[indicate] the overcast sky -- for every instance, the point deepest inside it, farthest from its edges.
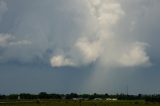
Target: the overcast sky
(82, 46)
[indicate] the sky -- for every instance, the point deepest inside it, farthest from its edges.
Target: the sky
(81, 46)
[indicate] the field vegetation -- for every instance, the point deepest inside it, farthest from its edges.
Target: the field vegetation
(73, 99)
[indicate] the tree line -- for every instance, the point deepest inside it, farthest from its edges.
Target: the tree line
(44, 95)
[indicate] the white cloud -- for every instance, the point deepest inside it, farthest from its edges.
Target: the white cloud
(105, 44)
(60, 61)
(107, 12)
(10, 40)
(5, 39)
(90, 50)
(135, 56)
(21, 42)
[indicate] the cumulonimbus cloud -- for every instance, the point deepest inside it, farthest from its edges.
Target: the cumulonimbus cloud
(103, 45)
(71, 35)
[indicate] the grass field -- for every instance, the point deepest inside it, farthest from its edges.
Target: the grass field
(76, 103)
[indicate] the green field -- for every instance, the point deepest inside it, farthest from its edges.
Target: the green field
(76, 103)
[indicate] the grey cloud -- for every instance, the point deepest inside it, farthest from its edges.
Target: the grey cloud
(48, 25)
(112, 38)
(101, 31)
(3, 8)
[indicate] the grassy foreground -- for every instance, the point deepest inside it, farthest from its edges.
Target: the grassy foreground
(76, 103)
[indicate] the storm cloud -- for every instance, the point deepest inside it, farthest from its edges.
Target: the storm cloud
(71, 35)
(102, 35)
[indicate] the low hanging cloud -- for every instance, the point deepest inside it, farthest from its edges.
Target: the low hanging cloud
(10, 40)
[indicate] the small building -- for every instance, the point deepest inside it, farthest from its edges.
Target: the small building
(97, 98)
(19, 97)
(114, 99)
(77, 99)
(111, 99)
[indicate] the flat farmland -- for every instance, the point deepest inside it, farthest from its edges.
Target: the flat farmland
(76, 103)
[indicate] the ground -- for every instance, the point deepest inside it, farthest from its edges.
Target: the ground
(76, 103)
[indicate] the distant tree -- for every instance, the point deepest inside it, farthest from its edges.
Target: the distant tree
(153, 98)
(13, 96)
(106, 95)
(55, 96)
(139, 96)
(85, 96)
(71, 96)
(28, 96)
(2, 96)
(43, 95)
